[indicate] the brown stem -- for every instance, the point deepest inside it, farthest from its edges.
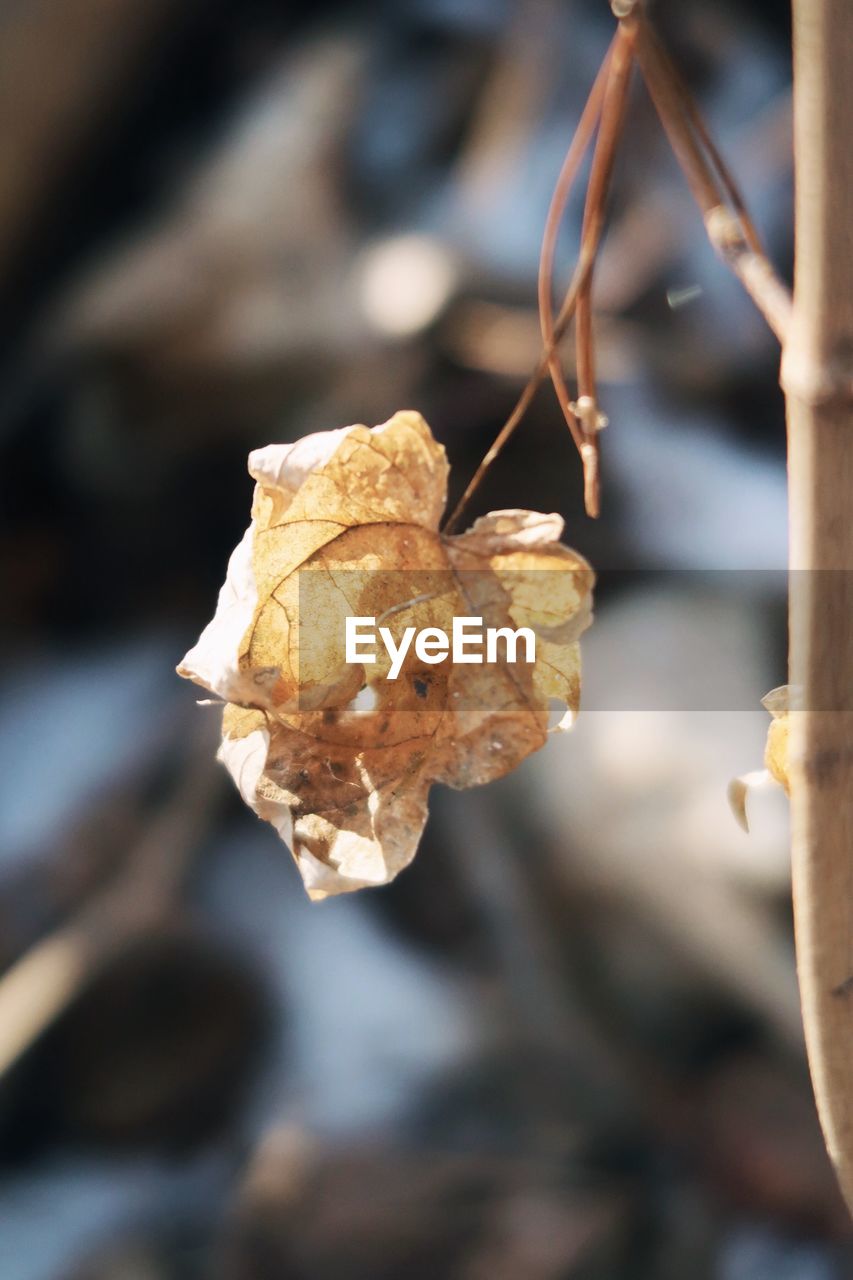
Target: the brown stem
(556, 329)
(729, 227)
(754, 270)
(559, 200)
(522, 404)
(609, 134)
(728, 224)
(697, 122)
(818, 381)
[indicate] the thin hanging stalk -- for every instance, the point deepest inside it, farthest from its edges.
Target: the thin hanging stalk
(610, 91)
(697, 123)
(586, 408)
(729, 227)
(523, 403)
(557, 208)
(817, 375)
(727, 222)
(580, 142)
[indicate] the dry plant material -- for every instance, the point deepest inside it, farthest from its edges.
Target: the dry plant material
(336, 756)
(583, 416)
(579, 144)
(776, 750)
(727, 222)
(775, 771)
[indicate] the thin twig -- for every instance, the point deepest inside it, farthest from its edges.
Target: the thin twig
(560, 325)
(697, 121)
(609, 135)
(729, 227)
(559, 200)
(522, 404)
(728, 224)
(668, 103)
(754, 270)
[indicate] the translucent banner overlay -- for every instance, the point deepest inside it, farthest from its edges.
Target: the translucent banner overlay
(683, 651)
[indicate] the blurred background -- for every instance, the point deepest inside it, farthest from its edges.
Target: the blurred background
(566, 1042)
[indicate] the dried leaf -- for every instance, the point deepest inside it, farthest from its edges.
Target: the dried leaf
(337, 756)
(775, 757)
(776, 750)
